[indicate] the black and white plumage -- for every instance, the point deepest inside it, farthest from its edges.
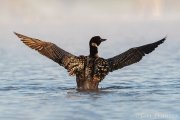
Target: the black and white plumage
(92, 69)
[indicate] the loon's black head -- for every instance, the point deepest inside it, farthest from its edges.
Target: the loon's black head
(96, 41)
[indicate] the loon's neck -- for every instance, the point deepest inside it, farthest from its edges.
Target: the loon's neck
(93, 51)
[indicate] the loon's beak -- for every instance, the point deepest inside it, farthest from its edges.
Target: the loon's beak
(102, 40)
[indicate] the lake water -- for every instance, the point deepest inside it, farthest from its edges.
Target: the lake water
(35, 88)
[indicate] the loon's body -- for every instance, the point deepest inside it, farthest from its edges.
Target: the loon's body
(92, 69)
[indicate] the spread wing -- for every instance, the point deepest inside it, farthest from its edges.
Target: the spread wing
(51, 51)
(132, 55)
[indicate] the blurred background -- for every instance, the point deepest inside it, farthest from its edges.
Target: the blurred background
(33, 87)
(74, 22)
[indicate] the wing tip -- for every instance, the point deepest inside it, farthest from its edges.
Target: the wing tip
(146, 49)
(17, 34)
(161, 41)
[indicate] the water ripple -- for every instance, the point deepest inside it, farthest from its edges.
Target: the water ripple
(43, 90)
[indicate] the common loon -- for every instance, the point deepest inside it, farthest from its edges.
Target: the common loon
(92, 69)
